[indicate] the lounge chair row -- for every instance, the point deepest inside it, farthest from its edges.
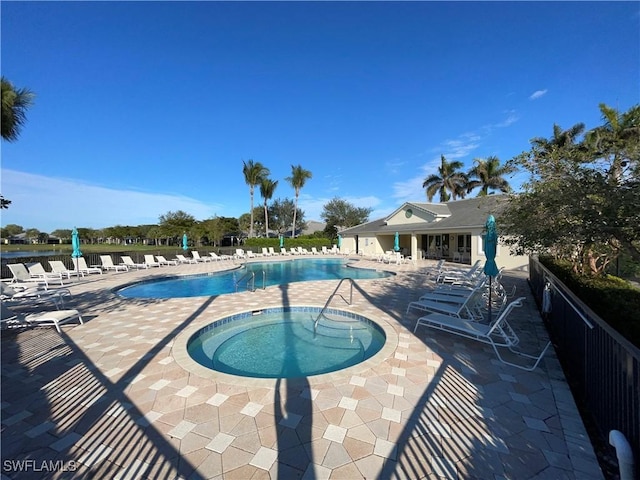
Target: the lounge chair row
(270, 252)
(461, 309)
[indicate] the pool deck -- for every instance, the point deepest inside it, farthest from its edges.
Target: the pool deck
(117, 397)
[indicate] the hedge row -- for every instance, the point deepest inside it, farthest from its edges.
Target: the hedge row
(615, 300)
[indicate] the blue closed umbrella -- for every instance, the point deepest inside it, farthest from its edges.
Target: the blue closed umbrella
(75, 243)
(281, 241)
(396, 243)
(185, 242)
(339, 241)
(490, 247)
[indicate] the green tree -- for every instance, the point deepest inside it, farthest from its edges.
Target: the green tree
(282, 212)
(174, 224)
(448, 179)
(298, 178)
(340, 213)
(11, 230)
(253, 173)
(578, 205)
(617, 141)
(489, 175)
(15, 102)
(267, 189)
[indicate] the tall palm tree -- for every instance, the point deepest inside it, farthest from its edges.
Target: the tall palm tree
(448, 179)
(14, 105)
(489, 174)
(267, 187)
(561, 147)
(253, 172)
(298, 178)
(613, 139)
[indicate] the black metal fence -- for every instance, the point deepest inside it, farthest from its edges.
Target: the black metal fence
(602, 367)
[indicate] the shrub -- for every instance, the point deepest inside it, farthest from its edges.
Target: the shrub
(615, 300)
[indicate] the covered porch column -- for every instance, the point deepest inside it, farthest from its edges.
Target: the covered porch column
(414, 248)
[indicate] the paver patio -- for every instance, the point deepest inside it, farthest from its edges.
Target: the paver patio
(112, 399)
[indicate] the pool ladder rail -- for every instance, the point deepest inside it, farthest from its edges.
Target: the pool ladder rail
(335, 293)
(251, 278)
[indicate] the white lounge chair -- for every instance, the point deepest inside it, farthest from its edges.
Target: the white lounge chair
(498, 334)
(129, 263)
(36, 270)
(265, 252)
(31, 295)
(55, 318)
(469, 309)
(21, 275)
(163, 261)
(149, 261)
(81, 265)
(314, 251)
(197, 256)
(59, 267)
(272, 252)
(107, 264)
(217, 257)
(460, 276)
(240, 253)
(283, 251)
(182, 259)
(250, 254)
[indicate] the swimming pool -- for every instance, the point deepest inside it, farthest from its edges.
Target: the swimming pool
(275, 273)
(283, 342)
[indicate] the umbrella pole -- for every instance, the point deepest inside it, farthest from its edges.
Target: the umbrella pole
(490, 289)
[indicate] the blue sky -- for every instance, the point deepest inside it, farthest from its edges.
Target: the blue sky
(149, 107)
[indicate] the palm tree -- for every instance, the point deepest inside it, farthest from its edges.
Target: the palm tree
(253, 172)
(267, 187)
(489, 174)
(298, 178)
(612, 139)
(448, 180)
(561, 147)
(14, 105)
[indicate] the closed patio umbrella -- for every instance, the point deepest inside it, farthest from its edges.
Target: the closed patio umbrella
(281, 241)
(75, 243)
(490, 247)
(185, 242)
(339, 241)
(396, 242)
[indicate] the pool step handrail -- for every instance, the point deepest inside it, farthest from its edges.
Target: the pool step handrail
(252, 274)
(326, 305)
(251, 278)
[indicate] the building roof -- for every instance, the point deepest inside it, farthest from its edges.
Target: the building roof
(455, 215)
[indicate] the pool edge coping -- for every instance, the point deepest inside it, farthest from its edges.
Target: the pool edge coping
(183, 359)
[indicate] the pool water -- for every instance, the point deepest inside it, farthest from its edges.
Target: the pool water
(275, 273)
(283, 343)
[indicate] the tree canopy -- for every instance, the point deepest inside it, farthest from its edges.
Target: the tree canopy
(581, 200)
(340, 213)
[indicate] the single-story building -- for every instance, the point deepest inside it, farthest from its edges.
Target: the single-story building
(452, 230)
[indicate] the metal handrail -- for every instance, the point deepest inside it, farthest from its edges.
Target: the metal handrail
(253, 281)
(335, 292)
